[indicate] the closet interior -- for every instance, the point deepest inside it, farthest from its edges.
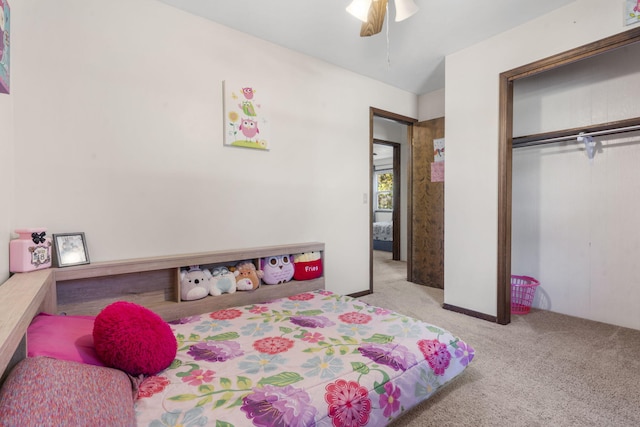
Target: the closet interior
(575, 188)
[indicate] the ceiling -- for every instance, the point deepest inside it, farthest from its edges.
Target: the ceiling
(382, 151)
(408, 55)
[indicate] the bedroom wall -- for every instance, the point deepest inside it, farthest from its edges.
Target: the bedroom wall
(123, 101)
(431, 105)
(6, 180)
(574, 221)
(471, 111)
(6, 165)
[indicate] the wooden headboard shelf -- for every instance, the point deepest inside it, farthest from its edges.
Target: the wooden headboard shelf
(21, 298)
(152, 282)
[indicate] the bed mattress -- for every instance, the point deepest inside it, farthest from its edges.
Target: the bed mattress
(312, 359)
(383, 231)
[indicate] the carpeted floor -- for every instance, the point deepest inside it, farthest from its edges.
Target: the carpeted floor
(543, 369)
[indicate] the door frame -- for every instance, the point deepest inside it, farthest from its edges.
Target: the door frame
(409, 121)
(505, 148)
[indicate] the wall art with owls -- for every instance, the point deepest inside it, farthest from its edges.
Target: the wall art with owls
(246, 121)
(277, 269)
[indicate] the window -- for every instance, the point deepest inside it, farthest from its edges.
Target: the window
(384, 190)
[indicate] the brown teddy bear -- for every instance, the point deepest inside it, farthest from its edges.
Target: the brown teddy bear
(247, 276)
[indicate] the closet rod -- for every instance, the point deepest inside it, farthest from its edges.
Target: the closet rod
(575, 136)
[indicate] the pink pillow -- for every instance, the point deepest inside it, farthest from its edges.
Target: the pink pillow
(134, 339)
(62, 337)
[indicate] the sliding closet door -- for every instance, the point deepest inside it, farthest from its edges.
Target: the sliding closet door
(427, 199)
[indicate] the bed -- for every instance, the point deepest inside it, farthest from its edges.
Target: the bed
(308, 358)
(383, 236)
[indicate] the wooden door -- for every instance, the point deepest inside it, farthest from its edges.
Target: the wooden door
(427, 208)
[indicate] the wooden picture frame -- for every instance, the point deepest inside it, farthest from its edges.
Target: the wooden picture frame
(70, 249)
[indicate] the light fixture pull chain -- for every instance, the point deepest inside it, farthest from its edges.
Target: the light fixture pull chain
(388, 17)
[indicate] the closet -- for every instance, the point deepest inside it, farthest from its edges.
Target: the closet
(575, 198)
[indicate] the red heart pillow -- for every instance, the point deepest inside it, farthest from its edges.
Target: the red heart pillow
(134, 339)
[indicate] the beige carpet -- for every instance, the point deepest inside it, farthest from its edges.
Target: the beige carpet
(543, 369)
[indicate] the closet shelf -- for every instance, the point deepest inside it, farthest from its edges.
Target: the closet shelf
(609, 128)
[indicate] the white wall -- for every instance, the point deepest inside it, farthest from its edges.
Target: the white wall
(123, 101)
(6, 180)
(574, 222)
(431, 105)
(388, 130)
(471, 112)
(600, 89)
(6, 170)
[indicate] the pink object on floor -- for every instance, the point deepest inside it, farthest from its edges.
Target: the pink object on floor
(523, 290)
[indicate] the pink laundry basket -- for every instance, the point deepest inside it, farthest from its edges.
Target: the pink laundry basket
(523, 289)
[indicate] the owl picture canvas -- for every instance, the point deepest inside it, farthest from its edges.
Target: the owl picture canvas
(276, 269)
(246, 121)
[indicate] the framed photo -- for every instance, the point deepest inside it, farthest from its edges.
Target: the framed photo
(71, 249)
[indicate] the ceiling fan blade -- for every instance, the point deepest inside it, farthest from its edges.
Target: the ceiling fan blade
(377, 12)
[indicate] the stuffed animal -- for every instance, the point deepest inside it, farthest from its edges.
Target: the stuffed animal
(222, 281)
(194, 283)
(277, 269)
(247, 277)
(307, 265)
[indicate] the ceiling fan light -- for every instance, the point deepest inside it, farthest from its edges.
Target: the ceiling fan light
(360, 9)
(405, 9)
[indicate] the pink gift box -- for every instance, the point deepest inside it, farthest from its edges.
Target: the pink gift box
(30, 251)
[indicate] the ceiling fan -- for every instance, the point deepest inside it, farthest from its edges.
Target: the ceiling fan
(372, 13)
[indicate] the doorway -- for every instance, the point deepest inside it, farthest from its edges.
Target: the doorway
(401, 226)
(386, 197)
(423, 246)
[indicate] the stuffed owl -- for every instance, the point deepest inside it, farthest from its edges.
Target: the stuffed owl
(277, 269)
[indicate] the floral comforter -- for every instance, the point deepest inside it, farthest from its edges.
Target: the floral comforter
(313, 359)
